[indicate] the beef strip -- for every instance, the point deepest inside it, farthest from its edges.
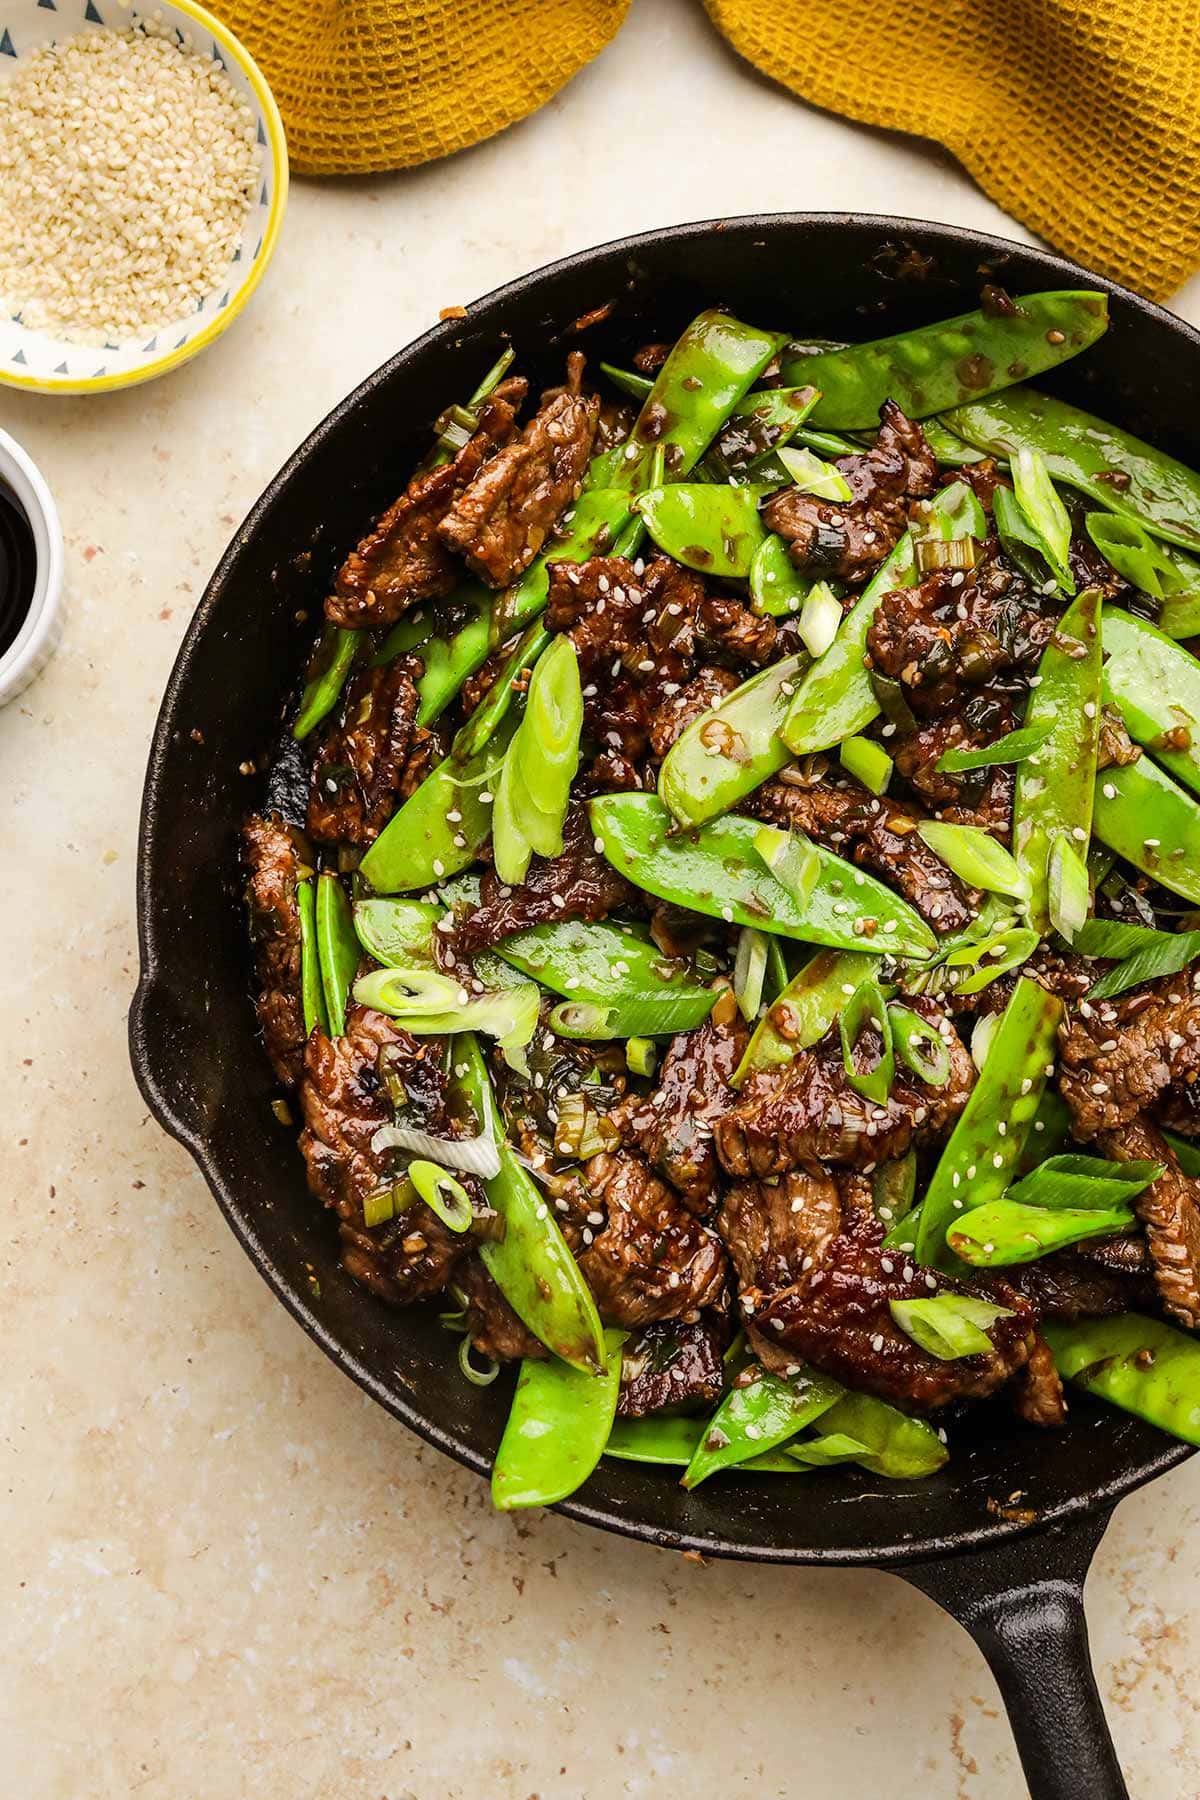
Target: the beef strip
(982, 797)
(650, 1259)
(877, 833)
(579, 884)
(1037, 1389)
(492, 1324)
(402, 560)
(1170, 1210)
(815, 1282)
(501, 519)
(345, 1101)
(672, 1126)
(273, 855)
(360, 768)
(1119, 1055)
(807, 1111)
(671, 1367)
(847, 540)
(1069, 1285)
(705, 690)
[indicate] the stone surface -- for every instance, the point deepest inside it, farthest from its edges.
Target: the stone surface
(224, 1572)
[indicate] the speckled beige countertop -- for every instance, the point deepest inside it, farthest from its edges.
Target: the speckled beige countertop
(225, 1574)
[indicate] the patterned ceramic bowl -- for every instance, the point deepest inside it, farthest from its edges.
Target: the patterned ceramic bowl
(54, 365)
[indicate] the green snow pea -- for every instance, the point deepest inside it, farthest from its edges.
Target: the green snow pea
(777, 588)
(1186, 1154)
(440, 828)
(331, 664)
(530, 1264)
(977, 1164)
(312, 994)
(338, 949)
(1141, 1365)
(672, 1441)
(1156, 688)
(1004, 1232)
(1143, 816)
(1086, 453)
(1013, 747)
(617, 968)
(714, 529)
(732, 749)
(710, 367)
(758, 1417)
(1051, 1133)
(628, 380)
(764, 420)
(804, 1011)
(835, 698)
(397, 933)
(1056, 784)
(951, 451)
(557, 1429)
(715, 871)
(1134, 554)
(474, 734)
(938, 366)
(1180, 615)
(1083, 1182)
(891, 1443)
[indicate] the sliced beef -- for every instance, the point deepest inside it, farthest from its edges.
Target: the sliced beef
(877, 833)
(815, 1282)
(346, 1099)
(806, 1112)
(579, 884)
(671, 1367)
(360, 768)
(1069, 1285)
(679, 932)
(672, 1126)
(273, 855)
(402, 559)
(651, 1259)
(1170, 1210)
(1119, 1055)
(982, 797)
(847, 540)
(503, 517)
(492, 1324)
(1037, 1389)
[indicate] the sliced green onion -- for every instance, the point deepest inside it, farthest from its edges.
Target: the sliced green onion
(1173, 952)
(1013, 747)
(379, 1207)
(750, 970)
(820, 617)
(400, 991)
(1133, 553)
(866, 1007)
(919, 1045)
(792, 859)
(494, 376)
(984, 1031)
(976, 966)
(1112, 937)
(936, 553)
(1023, 546)
(510, 1015)
(829, 1449)
(892, 702)
(954, 512)
(1003, 1233)
(580, 1019)
(1070, 893)
(812, 476)
(1083, 1181)
(975, 857)
(580, 1131)
(442, 1194)
(894, 1188)
(1044, 510)
(949, 1325)
(477, 1377)
(641, 1056)
(867, 761)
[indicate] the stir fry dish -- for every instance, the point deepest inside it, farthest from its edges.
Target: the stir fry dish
(728, 914)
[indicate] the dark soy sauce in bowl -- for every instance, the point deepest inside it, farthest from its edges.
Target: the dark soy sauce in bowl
(17, 567)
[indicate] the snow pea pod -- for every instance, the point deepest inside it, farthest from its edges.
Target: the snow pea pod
(1086, 453)
(938, 366)
(628, 380)
(777, 588)
(440, 828)
(1056, 784)
(804, 1011)
(557, 1429)
(758, 1417)
(1143, 816)
(891, 1443)
(338, 949)
(732, 749)
(1156, 688)
(615, 967)
(835, 698)
(472, 736)
(716, 871)
(397, 933)
(1141, 1365)
(1004, 1232)
(671, 1441)
(312, 994)
(334, 658)
(711, 366)
(714, 529)
(530, 1264)
(978, 1162)
(760, 423)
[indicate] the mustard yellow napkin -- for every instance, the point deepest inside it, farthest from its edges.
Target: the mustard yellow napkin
(1079, 117)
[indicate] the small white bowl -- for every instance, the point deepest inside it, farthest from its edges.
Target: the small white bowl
(37, 640)
(55, 365)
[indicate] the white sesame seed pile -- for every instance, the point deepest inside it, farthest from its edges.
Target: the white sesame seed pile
(127, 168)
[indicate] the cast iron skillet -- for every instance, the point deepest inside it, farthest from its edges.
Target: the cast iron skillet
(1014, 1581)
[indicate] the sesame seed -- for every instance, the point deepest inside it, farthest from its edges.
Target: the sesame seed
(1109, 791)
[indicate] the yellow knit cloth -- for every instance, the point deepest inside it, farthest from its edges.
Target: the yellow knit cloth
(1079, 117)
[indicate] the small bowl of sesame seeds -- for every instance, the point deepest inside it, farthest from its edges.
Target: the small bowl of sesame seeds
(143, 180)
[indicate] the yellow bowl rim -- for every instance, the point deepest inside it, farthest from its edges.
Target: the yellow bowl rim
(277, 143)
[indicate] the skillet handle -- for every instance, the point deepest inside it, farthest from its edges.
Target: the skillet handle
(1022, 1602)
